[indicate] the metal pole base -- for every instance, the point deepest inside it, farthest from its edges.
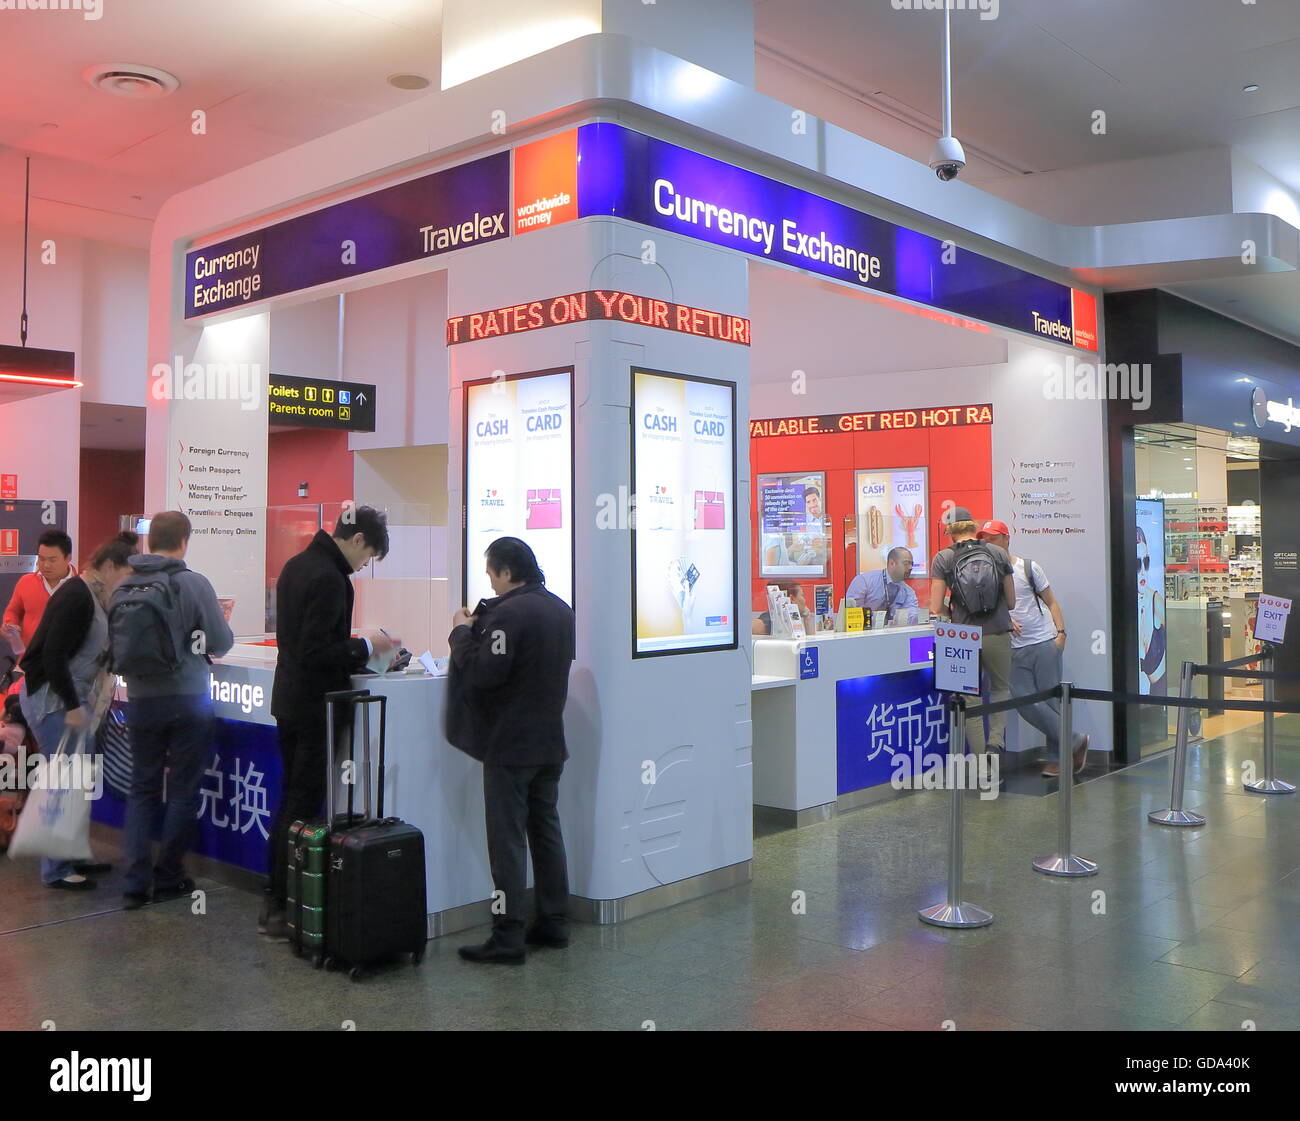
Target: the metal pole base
(955, 915)
(1065, 866)
(1271, 786)
(1175, 817)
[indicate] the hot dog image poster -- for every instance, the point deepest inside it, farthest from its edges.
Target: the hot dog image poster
(893, 510)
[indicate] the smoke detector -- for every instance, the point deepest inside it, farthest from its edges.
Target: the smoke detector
(127, 79)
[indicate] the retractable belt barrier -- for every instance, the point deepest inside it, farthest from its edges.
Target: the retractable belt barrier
(955, 913)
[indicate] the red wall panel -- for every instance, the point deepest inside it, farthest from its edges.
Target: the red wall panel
(959, 461)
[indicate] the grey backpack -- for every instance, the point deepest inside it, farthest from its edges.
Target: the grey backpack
(975, 579)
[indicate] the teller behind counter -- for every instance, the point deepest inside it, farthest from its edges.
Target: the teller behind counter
(883, 591)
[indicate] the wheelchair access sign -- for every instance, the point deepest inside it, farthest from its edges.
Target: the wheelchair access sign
(957, 658)
(807, 663)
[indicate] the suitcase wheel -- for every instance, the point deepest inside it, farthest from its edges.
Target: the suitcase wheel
(354, 974)
(318, 959)
(329, 963)
(417, 957)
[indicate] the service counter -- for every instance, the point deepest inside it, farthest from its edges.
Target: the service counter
(429, 783)
(832, 710)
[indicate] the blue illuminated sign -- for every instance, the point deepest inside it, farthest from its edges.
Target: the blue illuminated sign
(629, 175)
(435, 214)
(878, 719)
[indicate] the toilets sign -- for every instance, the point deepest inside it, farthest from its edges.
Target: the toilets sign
(1270, 619)
(957, 658)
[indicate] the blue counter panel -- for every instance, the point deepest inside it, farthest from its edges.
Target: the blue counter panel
(238, 796)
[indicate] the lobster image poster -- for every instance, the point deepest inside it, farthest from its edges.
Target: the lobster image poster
(892, 511)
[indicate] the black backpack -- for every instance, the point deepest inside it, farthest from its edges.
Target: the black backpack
(141, 626)
(975, 579)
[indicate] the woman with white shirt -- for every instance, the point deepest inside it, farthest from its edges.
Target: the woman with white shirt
(1036, 651)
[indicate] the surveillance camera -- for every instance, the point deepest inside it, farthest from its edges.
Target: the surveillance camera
(948, 158)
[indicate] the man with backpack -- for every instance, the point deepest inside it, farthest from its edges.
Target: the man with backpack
(976, 578)
(1036, 649)
(164, 623)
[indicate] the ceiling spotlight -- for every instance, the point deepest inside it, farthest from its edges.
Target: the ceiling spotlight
(408, 81)
(1252, 88)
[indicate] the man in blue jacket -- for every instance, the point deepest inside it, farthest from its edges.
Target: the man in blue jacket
(509, 680)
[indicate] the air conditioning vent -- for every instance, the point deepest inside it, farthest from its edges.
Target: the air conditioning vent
(129, 80)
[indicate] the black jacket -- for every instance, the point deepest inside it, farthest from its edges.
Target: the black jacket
(509, 678)
(59, 635)
(313, 622)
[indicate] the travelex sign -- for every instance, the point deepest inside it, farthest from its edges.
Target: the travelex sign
(629, 175)
(425, 217)
(608, 170)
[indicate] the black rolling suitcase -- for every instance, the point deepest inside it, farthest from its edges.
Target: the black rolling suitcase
(375, 901)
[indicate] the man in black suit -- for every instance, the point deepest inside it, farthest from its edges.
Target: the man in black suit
(508, 683)
(316, 655)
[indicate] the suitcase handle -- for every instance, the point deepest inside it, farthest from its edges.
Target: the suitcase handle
(364, 698)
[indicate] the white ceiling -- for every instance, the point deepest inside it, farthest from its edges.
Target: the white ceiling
(270, 74)
(112, 427)
(1168, 73)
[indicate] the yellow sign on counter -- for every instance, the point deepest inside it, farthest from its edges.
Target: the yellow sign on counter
(853, 619)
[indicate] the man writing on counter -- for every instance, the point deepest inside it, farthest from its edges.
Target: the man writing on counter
(885, 589)
(316, 654)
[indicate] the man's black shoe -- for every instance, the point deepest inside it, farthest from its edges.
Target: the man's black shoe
(133, 900)
(178, 889)
(82, 884)
(493, 953)
(546, 936)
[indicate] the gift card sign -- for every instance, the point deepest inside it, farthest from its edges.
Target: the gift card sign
(1270, 619)
(957, 658)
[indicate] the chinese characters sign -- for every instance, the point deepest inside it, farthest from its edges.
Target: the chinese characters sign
(879, 718)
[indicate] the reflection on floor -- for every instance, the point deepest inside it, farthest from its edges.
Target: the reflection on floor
(1194, 928)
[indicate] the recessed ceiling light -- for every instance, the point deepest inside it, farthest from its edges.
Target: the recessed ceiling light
(128, 79)
(408, 81)
(1252, 88)
(49, 125)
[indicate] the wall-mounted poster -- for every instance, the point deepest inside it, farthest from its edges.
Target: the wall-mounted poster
(684, 532)
(519, 474)
(1153, 642)
(793, 531)
(892, 510)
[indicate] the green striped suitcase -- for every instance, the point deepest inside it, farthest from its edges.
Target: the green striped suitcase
(305, 906)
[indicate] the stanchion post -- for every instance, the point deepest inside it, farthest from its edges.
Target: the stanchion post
(1176, 815)
(1270, 783)
(1064, 862)
(954, 913)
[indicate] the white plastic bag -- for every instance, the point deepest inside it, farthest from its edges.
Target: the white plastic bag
(55, 822)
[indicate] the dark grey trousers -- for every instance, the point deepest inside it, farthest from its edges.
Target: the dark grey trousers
(1033, 669)
(520, 806)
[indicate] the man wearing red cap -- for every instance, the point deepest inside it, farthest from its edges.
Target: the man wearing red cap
(1036, 648)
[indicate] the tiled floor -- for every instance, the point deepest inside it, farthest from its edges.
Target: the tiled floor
(1198, 929)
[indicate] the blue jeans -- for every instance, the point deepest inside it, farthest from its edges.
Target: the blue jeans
(173, 733)
(47, 731)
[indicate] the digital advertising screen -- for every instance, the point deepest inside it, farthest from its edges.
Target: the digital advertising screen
(519, 475)
(893, 510)
(1153, 639)
(684, 532)
(793, 530)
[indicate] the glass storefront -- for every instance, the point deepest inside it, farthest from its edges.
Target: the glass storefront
(1199, 568)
